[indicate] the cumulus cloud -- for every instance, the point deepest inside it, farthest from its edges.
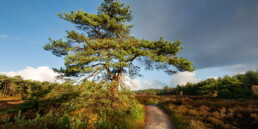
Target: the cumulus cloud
(153, 84)
(184, 77)
(136, 84)
(133, 84)
(42, 73)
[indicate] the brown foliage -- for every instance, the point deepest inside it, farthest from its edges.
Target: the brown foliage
(211, 112)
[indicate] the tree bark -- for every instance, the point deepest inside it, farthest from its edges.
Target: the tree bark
(118, 81)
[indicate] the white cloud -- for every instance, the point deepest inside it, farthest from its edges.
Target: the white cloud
(153, 84)
(3, 36)
(183, 78)
(136, 84)
(42, 73)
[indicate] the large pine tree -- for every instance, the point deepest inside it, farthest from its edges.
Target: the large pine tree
(103, 47)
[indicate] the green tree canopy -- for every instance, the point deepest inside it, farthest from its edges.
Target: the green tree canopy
(103, 48)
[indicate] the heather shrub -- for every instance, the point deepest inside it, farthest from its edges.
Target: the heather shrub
(208, 112)
(87, 105)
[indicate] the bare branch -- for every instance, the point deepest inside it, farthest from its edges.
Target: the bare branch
(132, 58)
(92, 74)
(98, 64)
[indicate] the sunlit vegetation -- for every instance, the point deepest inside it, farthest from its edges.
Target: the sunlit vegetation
(53, 105)
(149, 99)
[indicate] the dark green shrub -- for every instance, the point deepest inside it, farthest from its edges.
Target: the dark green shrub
(235, 93)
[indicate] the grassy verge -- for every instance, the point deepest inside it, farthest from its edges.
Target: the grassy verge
(149, 99)
(177, 120)
(137, 122)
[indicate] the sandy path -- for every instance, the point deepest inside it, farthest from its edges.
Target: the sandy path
(156, 118)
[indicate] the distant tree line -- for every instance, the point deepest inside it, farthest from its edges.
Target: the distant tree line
(234, 87)
(16, 86)
(149, 92)
(164, 91)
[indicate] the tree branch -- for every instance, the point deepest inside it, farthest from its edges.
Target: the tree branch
(110, 73)
(98, 64)
(132, 58)
(94, 73)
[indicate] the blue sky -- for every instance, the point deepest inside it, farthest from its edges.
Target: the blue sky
(219, 37)
(26, 27)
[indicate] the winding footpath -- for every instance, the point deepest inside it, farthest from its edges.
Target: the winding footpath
(156, 118)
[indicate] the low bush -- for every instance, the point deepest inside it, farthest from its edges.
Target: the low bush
(87, 105)
(235, 93)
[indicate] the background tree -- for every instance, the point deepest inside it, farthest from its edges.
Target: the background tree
(250, 79)
(103, 48)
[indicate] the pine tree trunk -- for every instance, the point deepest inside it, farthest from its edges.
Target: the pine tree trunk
(117, 83)
(115, 88)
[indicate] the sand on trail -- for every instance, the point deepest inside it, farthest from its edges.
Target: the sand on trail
(156, 118)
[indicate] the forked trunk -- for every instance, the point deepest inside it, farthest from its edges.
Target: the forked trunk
(115, 86)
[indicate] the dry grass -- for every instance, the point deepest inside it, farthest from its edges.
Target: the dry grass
(150, 99)
(7, 102)
(9, 98)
